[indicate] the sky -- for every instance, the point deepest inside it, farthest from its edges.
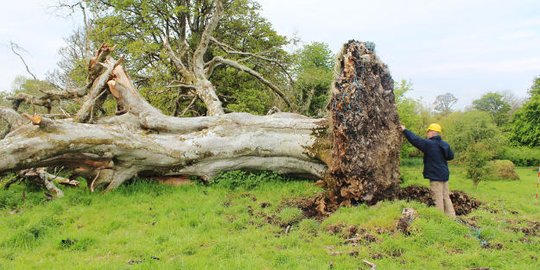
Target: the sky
(466, 48)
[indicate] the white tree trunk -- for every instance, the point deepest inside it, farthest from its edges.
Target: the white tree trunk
(200, 146)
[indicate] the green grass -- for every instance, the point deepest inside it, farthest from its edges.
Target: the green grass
(230, 225)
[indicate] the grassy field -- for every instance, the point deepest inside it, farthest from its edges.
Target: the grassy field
(150, 226)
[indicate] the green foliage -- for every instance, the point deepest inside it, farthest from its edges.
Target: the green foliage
(414, 161)
(526, 122)
(290, 215)
(245, 180)
(475, 139)
(495, 105)
(535, 88)
(242, 93)
(313, 72)
(465, 129)
(522, 156)
(476, 161)
(502, 170)
(410, 113)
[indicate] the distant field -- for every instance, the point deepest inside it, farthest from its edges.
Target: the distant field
(150, 226)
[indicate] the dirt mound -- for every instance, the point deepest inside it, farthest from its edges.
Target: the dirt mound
(463, 203)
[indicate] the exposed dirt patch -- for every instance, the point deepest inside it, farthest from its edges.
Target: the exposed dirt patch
(531, 228)
(463, 203)
(315, 207)
(353, 235)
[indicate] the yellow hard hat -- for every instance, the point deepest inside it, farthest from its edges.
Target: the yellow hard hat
(435, 127)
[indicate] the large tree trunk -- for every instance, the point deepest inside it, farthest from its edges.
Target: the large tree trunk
(119, 148)
(140, 140)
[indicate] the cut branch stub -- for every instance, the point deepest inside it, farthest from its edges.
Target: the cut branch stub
(367, 140)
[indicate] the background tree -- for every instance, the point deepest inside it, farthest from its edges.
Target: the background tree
(476, 140)
(494, 104)
(313, 76)
(526, 121)
(444, 103)
(464, 129)
(512, 100)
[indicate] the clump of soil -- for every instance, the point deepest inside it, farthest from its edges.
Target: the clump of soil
(463, 203)
(531, 228)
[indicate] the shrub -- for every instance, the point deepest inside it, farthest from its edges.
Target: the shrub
(502, 170)
(476, 160)
(246, 180)
(522, 156)
(465, 129)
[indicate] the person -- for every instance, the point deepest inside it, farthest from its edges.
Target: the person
(437, 153)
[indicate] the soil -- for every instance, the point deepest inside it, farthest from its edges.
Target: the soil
(463, 203)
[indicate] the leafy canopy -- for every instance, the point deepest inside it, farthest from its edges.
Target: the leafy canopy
(494, 104)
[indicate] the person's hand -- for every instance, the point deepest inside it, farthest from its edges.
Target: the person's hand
(402, 127)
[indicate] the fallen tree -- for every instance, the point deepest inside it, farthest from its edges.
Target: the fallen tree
(140, 140)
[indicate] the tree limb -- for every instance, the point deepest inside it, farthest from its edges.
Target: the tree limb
(230, 50)
(180, 67)
(20, 98)
(255, 74)
(198, 55)
(98, 86)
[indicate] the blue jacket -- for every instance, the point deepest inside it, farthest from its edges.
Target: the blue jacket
(436, 154)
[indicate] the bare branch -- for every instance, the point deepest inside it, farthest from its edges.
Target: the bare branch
(176, 60)
(230, 50)
(14, 48)
(255, 74)
(189, 105)
(41, 176)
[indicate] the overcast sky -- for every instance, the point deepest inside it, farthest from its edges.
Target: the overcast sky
(465, 47)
